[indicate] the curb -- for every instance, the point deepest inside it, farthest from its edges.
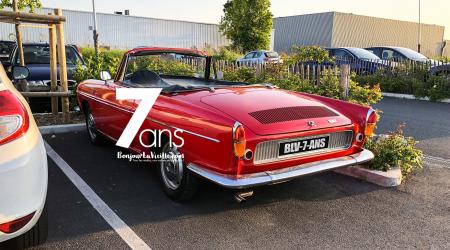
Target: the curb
(391, 178)
(59, 129)
(410, 97)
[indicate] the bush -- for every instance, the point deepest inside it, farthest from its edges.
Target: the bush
(106, 61)
(417, 83)
(436, 88)
(225, 54)
(308, 54)
(395, 150)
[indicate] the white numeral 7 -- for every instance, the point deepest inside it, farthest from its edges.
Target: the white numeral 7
(148, 98)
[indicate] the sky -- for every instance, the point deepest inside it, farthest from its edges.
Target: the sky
(210, 11)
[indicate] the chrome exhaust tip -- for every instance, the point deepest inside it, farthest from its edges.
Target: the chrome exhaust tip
(242, 197)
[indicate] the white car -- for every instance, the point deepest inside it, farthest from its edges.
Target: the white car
(260, 56)
(23, 170)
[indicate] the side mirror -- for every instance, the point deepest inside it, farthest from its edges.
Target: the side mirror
(105, 75)
(20, 72)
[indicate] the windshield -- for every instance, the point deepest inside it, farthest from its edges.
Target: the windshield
(40, 54)
(171, 71)
(411, 54)
(363, 54)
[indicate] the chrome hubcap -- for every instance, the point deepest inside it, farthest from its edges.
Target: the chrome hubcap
(91, 126)
(171, 167)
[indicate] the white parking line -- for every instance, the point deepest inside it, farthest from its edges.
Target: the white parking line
(122, 229)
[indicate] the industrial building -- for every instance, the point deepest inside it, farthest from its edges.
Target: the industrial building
(331, 29)
(334, 29)
(124, 31)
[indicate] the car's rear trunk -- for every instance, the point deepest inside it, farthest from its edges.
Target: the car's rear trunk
(273, 111)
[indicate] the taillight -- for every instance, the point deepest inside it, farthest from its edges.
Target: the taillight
(15, 225)
(239, 139)
(13, 117)
(371, 123)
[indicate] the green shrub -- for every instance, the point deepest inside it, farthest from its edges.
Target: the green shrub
(395, 150)
(106, 61)
(436, 88)
(308, 54)
(225, 54)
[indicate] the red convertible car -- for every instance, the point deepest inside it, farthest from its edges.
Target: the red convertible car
(237, 135)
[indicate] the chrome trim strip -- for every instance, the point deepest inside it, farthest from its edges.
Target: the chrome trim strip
(282, 175)
(184, 131)
(150, 119)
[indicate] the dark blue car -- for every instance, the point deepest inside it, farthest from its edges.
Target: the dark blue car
(360, 60)
(37, 59)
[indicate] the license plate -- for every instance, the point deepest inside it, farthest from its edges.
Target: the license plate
(303, 145)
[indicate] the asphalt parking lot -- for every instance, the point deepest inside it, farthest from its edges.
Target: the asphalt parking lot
(325, 211)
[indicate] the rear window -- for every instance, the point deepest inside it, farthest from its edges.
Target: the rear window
(272, 54)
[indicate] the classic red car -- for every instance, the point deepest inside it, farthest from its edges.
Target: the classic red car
(237, 135)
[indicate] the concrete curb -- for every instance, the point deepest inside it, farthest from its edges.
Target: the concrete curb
(410, 97)
(59, 129)
(391, 178)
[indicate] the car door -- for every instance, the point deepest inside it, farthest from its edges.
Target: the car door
(113, 115)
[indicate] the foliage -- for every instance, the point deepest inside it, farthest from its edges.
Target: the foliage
(106, 61)
(309, 54)
(22, 4)
(395, 150)
(436, 88)
(227, 55)
(247, 23)
(418, 83)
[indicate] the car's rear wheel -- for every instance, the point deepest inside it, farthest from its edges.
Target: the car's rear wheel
(94, 136)
(177, 181)
(35, 236)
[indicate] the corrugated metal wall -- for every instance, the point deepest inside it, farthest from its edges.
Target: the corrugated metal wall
(339, 30)
(117, 31)
(363, 31)
(304, 30)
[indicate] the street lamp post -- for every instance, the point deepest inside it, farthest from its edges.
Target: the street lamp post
(95, 28)
(420, 28)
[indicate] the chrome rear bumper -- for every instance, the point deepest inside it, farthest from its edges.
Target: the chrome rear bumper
(281, 175)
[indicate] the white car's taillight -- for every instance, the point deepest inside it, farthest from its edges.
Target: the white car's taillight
(14, 120)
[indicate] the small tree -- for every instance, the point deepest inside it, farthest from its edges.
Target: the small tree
(22, 4)
(247, 23)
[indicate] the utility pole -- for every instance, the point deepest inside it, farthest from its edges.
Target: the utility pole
(96, 47)
(420, 28)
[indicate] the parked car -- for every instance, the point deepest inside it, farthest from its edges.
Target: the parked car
(6, 48)
(360, 60)
(37, 59)
(260, 56)
(237, 135)
(401, 54)
(23, 170)
(397, 54)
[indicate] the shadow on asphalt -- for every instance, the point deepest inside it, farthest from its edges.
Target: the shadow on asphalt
(133, 190)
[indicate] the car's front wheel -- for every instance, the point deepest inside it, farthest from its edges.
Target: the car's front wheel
(177, 181)
(35, 236)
